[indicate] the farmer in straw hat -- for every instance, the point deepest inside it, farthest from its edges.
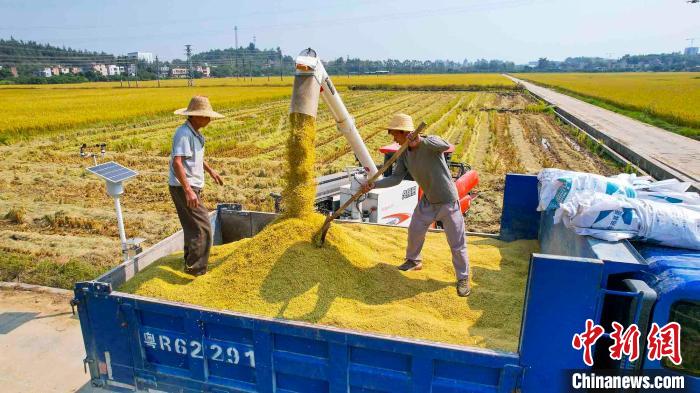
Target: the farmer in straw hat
(425, 161)
(186, 181)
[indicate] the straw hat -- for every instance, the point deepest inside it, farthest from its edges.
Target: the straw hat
(401, 122)
(199, 106)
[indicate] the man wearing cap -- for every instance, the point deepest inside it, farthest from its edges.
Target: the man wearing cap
(186, 181)
(425, 161)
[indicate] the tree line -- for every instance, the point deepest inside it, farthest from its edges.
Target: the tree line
(28, 57)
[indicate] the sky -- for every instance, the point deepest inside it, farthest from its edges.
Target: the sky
(515, 30)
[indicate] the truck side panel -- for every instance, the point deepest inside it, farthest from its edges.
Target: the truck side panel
(520, 218)
(170, 347)
(562, 292)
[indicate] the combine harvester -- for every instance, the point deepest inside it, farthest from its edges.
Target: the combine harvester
(138, 343)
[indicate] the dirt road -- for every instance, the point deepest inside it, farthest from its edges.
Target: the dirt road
(675, 153)
(41, 344)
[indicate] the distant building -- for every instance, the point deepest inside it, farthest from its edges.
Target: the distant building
(55, 70)
(13, 71)
(113, 70)
(45, 72)
(100, 69)
(178, 72)
(76, 70)
(64, 70)
(691, 51)
(131, 69)
(143, 56)
(205, 70)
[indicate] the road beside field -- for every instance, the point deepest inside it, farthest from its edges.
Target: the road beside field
(41, 344)
(672, 153)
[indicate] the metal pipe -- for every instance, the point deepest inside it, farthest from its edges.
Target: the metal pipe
(305, 95)
(120, 224)
(309, 64)
(346, 125)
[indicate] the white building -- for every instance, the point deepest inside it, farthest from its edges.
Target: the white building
(100, 69)
(131, 69)
(178, 72)
(113, 70)
(143, 56)
(205, 70)
(45, 72)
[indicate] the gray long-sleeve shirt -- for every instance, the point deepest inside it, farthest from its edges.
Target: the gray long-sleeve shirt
(427, 166)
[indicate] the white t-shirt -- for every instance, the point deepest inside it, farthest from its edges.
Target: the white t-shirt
(189, 144)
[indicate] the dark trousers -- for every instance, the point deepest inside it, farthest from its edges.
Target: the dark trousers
(197, 229)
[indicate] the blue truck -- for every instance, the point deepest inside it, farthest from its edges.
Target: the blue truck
(146, 344)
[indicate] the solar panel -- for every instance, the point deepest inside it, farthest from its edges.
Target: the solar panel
(112, 172)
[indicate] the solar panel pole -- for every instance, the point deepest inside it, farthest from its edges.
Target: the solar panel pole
(114, 176)
(115, 190)
(120, 223)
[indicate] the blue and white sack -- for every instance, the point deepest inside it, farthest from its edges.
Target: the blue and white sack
(557, 186)
(615, 217)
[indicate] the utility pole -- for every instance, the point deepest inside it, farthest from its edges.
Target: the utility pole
(235, 30)
(280, 64)
(188, 52)
(157, 71)
(136, 71)
(126, 68)
(121, 84)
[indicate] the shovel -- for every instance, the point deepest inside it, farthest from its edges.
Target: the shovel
(387, 165)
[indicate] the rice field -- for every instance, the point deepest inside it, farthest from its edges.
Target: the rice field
(673, 97)
(32, 110)
(484, 79)
(57, 223)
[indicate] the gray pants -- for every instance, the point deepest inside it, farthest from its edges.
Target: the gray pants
(197, 230)
(453, 222)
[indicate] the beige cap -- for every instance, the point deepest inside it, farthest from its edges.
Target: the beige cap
(199, 106)
(402, 122)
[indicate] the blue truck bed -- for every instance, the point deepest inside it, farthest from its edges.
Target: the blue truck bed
(139, 343)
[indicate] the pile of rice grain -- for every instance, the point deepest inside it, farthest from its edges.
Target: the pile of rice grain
(352, 282)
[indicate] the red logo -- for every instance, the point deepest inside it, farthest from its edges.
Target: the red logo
(395, 219)
(661, 341)
(626, 342)
(586, 340)
(665, 342)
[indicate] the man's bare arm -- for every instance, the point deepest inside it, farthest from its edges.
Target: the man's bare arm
(214, 175)
(190, 196)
